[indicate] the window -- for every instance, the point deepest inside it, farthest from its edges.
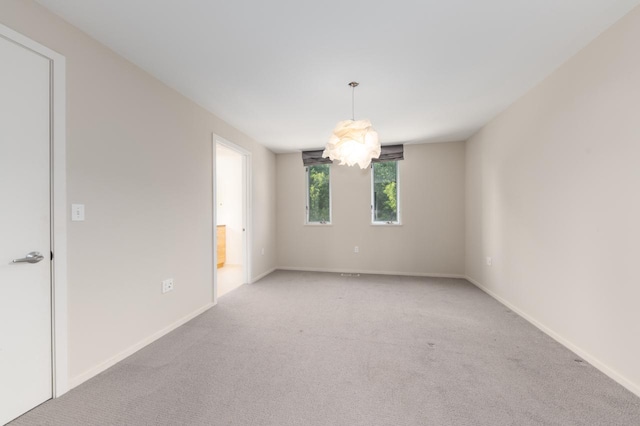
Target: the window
(384, 192)
(318, 194)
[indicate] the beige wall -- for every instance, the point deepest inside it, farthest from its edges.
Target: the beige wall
(552, 195)
(140, 159)
(430, 240)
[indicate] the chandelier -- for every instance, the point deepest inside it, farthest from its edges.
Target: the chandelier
(353, 142)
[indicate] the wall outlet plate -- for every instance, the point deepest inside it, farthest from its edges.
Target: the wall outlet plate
(167, 285)
(489, 261)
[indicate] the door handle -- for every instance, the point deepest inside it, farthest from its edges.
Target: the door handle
(33, 257)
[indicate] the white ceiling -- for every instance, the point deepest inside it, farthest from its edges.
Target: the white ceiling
(429, 70)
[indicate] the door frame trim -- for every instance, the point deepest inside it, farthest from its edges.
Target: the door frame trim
(247, 217)
(58, 202)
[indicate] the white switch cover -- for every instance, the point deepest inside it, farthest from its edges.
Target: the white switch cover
(489, 261)
(77, 212)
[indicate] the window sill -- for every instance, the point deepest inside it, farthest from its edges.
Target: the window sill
(386, 224)
(318, 224)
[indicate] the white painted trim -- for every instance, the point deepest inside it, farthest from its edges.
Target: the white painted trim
(365, 272)
(248, 216)
(58, 209)
(214, 221)
(247, 184)
(261, 276)
(83, 377)
(612, 373)
(60, 320)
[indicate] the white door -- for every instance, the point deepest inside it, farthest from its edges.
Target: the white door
(25, 287)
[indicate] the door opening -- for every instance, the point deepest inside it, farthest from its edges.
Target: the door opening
(231, 216)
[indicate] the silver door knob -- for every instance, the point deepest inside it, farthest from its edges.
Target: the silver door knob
(33, 257)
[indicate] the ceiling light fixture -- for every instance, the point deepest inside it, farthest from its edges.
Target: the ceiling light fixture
(353, 142)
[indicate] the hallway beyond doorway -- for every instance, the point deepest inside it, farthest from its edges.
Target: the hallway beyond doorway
(232, 191)
(229, 278)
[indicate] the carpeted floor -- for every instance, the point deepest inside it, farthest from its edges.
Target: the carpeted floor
(301, 348)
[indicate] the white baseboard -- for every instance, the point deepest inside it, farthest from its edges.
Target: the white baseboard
(362, 271)
(261, 276)
(613, 374)
(83, 377)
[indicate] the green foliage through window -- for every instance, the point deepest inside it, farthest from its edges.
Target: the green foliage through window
(385, 191)
(318, 194)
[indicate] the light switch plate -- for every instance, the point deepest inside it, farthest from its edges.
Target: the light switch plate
(77, 212)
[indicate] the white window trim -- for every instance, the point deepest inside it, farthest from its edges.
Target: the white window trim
(306, 200)
(398, 221)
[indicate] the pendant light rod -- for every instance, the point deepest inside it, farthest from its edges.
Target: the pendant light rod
(353, 85)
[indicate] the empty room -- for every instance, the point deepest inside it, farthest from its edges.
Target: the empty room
(319, 213)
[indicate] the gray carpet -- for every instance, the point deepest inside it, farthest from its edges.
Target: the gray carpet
(300, 348)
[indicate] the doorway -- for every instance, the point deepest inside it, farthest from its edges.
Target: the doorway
(231, 216)
(33, 296)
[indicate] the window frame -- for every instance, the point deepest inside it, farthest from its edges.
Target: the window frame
(306, 201)
(398, 221)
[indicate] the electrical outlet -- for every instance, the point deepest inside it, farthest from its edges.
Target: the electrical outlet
(356, 249)
(167, 285)
(489, 261)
